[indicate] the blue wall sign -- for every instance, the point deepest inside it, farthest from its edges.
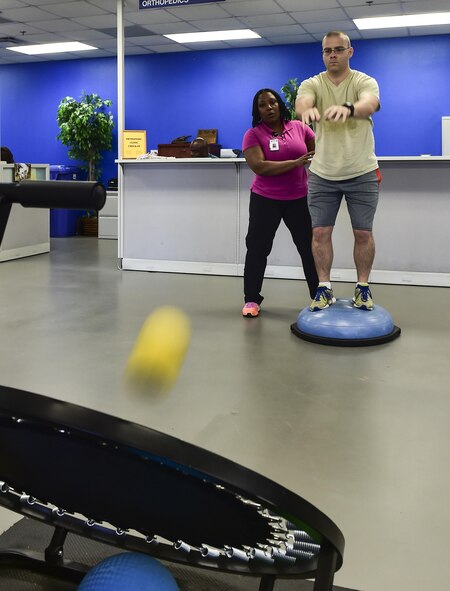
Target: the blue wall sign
(172, 3)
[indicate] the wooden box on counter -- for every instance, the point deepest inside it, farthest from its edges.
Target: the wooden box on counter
(182, 150)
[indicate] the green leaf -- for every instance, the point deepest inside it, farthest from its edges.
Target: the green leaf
(86, 129)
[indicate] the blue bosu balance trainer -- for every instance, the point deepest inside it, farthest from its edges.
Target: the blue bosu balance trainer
(344, 325)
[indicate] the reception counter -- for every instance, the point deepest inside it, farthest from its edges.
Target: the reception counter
(28, 230)
(191, 216)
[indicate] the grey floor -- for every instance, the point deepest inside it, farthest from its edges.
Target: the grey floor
(361, 433)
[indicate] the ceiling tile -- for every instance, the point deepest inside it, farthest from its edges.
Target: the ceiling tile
(176, 47)
(15, 29)
(45, 2)
(289, 39)
(24, 14)
(194, 12)
(151, 17)
(346, 3)
(205, 46)
(383, 33)
(280, 31)
(324, 27)
(172, 28)
(136, 50)
(222, 24)
(9, 4)
(294, 5)
(415, 7)
(248, 42)
(252, 7)
(373, 11)
(149, 40)
(72, 9)
(59, 25)
(316, 16)
(266, 20)
(97, 22)
(438, 29)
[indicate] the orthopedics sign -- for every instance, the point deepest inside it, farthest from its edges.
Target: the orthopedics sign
(172, 3)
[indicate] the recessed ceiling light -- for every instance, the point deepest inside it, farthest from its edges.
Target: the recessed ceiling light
(406, 20)
(51, 48)
(213, 36)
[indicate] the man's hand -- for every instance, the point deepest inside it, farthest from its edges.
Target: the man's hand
(310, 115)
(337, 113)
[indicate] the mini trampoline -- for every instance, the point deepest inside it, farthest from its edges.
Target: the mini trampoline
(123, 484)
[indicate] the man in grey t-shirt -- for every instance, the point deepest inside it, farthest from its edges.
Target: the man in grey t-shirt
(340, 103)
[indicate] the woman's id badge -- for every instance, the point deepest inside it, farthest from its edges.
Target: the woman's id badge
(273, 145)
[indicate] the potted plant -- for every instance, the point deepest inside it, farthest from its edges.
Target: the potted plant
(86, 128)
(290, 90)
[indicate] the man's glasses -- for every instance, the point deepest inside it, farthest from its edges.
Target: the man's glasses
(337, 50)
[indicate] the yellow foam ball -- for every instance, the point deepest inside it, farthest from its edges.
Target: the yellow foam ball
(160, 347)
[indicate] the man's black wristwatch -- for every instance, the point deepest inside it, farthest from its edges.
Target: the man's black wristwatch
(350, 107)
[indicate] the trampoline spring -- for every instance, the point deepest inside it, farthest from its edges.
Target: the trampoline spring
(306, 538)
(248, 502)
(209, 551)
(300, 554)
(299, 534)
(182, 546)
(284, 537)
(120, 531)
(278, 554)
(152, 540)
(284, 558)
(277, 544)
(258, 554)
(231, 552)
(4, 488)
(90, 522)
(307, 547)
(58, 511)
(268, 515)
(27, 499)
(277, 527)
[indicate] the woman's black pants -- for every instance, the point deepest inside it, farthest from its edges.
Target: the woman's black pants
(265, 217)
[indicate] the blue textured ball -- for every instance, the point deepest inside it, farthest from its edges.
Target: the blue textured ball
(129, 572)
(343, 321)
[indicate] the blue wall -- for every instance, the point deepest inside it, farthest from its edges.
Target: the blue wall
(176, 94)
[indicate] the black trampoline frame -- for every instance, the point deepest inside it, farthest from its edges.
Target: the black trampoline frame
(29, 415)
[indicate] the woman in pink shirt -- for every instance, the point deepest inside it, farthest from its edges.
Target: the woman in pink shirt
(276, 149)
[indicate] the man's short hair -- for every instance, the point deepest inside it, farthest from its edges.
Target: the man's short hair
(337, 34)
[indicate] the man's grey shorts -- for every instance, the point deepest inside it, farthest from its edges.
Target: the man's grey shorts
(361, 194)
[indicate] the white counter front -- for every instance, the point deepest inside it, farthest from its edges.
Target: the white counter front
(28, 229)
(191, 216)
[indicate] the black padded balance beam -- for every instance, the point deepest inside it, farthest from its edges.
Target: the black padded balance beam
(50, 194)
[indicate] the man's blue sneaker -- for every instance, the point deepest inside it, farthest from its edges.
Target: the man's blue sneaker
(363, 297)
(324, 298)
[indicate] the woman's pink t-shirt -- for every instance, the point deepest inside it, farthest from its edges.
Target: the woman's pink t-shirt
(292, 145)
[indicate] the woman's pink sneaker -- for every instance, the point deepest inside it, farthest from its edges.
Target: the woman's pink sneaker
(251, 309)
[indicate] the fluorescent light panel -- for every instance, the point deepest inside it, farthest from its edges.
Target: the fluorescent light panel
(51, 48)
(213, 36)
(407, 20)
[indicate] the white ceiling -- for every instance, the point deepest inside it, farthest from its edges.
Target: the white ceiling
(277, 21)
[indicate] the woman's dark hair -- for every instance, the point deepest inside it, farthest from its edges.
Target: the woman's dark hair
(284, 112)
(6, 155)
